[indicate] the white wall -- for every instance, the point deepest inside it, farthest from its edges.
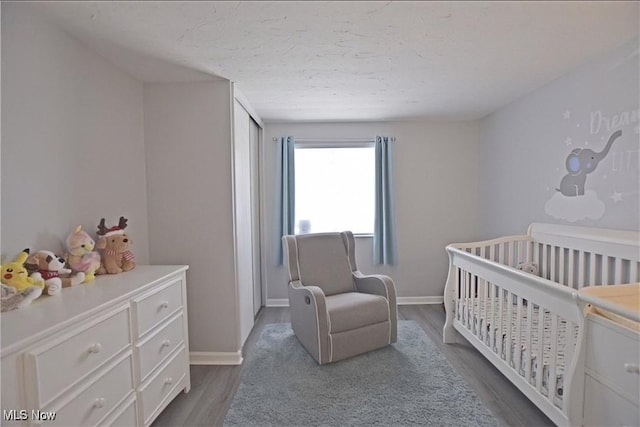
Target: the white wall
(435, 175)
(189, 176)
(524, 147)
(72, 139)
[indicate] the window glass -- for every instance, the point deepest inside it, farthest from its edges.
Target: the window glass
(335, 189)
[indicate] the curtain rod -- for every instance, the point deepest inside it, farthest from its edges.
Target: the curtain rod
(329, 140)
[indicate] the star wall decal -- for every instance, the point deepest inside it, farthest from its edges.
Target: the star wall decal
(616, 197)
(566, 114)
(568, 141)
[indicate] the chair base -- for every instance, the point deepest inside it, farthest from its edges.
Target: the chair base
(355, 342)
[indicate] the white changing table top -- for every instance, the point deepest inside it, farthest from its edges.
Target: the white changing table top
(620, 303)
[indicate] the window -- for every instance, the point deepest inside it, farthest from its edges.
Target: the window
(335, 188)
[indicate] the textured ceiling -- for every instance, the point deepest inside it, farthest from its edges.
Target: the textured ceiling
(355, 60)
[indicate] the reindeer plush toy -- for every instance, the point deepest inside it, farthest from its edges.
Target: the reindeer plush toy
(115, 246)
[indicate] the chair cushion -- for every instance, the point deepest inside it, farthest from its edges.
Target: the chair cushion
(354, 310)
(323, 262)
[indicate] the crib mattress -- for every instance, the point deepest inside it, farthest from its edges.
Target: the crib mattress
(529, 347)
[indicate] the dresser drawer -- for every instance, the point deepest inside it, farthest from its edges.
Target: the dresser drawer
(609, 347)
(55, 366)
(604, 407)
(96, 401)
(158, 346)
(163, 384)
(126, 418)
(152, 309)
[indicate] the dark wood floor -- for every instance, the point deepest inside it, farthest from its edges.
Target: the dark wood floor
(213, 387)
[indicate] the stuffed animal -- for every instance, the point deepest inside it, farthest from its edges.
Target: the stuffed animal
(80, 256)
(16, 275)
(528, 267)
(115, 246)
(12, 299)
(53, 271)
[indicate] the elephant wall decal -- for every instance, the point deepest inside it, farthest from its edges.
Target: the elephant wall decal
(581, 162)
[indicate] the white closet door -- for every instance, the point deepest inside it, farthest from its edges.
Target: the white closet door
(243, 219)
(254, 138)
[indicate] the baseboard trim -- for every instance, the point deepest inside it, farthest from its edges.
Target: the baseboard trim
(420, 300)
(275, 302)
(215, 358)
(400, 300)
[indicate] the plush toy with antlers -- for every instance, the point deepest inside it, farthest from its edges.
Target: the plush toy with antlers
(116, 248)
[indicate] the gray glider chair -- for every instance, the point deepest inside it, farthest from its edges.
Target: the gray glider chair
(336, 311)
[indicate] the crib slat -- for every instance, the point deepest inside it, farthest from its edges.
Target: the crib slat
(592, 269)
(552, 274)
(508, 340)
(539, 369)
(568, 357)
(553, 357)
(482, 303)
(571, 268)
(544, 265)
(510, 259)
(562, 268)
(518, 337)
(501, 321)
(492, 253)
(492, 334)
(580, 269)
(531, 252)
(501, 251)
(617, 278)
(529, 349)
(457, 287)
(472, 302)
(465, 304)
(605, 270)
(465, 318)
(475, 303)
(633, 272)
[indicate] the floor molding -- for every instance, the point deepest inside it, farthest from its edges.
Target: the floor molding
(215, 358)
(420, 300)
(278, 302)
(283, 302)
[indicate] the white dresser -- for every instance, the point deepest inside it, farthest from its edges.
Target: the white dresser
(113, 352)
(612, 356)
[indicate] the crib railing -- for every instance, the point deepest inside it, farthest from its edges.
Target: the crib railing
(483, 296)
(580, 256)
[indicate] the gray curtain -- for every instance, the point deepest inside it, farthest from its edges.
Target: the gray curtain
(286, 191)
(384, 235)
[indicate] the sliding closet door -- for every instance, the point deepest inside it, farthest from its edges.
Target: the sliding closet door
(243, 219)
(254, 147)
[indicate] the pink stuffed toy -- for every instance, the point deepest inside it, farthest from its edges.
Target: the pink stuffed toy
(81, 257)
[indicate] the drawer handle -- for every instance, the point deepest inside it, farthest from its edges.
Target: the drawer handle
(632, 368)
(99, 402)
(164, 304)
(168, 380)
(95, 348)
(166, 343)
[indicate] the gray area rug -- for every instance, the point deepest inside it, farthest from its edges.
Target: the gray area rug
(408, 383)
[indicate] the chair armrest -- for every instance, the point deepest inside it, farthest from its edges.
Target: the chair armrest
(376, 284)
(309, 319)
(379, 284)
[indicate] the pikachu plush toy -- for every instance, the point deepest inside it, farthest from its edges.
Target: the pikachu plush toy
(18, 289)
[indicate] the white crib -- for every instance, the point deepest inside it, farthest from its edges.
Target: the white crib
(530, 327)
